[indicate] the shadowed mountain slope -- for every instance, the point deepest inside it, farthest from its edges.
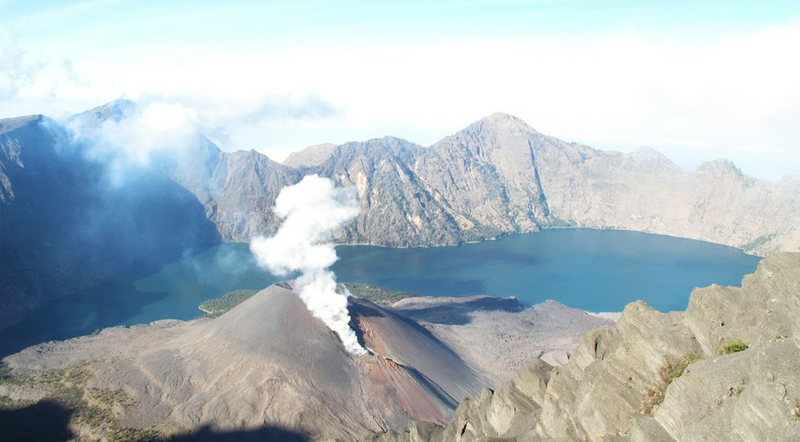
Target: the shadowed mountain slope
(64, 225)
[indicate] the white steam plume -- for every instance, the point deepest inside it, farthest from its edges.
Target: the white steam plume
(313, 211)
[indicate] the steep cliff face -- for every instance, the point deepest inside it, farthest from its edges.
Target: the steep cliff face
(500, 176)
(497, 176)
(487, 173)
(614, 386)
(237, 189)
(644, 191)
(396, 209)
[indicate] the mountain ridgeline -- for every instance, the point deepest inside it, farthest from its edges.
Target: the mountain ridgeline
(498, 176)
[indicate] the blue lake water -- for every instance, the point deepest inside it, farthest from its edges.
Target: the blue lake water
(596, 270)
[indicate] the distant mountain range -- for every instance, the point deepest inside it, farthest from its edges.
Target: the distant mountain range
(498, 176)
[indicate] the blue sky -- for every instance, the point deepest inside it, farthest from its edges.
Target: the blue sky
(696, 80)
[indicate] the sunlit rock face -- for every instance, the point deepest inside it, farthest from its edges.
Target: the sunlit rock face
(604, 392)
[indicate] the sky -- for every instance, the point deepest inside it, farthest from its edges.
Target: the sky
(696, 80)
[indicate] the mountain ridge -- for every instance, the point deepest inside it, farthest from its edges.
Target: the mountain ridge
(496, 177)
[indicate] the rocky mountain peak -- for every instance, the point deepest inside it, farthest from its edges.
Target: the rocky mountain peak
(310, 156)
(499, 122)
(720, 167)
(116, 110)
(648, 153)
(648, 159)
(10, 124)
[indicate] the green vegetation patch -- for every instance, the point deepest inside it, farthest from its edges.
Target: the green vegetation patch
(218, 306)
(378, 295)
(796, 409)
(670, 371)
(733, 346)
(5, 373)
(557, 223)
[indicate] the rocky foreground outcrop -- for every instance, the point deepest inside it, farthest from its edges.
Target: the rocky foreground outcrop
(612, 389)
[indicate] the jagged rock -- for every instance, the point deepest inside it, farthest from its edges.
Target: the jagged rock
(747, 396)
(752, 395)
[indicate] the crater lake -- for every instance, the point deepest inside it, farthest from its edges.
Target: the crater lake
(595, 270)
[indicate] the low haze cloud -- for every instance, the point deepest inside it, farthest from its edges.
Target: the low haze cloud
(126, 137)
(313, 212)
(730, 94)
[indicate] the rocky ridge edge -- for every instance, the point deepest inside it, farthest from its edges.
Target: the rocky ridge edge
(599, 395)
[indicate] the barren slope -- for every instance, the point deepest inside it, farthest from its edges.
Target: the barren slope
(268, 361)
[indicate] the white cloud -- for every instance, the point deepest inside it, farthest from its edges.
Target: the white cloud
(694, 101)
(129, 144)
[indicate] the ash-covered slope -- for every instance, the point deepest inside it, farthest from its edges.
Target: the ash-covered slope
(269, 362)
(621, 383)
(498, 335)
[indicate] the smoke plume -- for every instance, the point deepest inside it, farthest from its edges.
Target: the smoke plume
(313, 211)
